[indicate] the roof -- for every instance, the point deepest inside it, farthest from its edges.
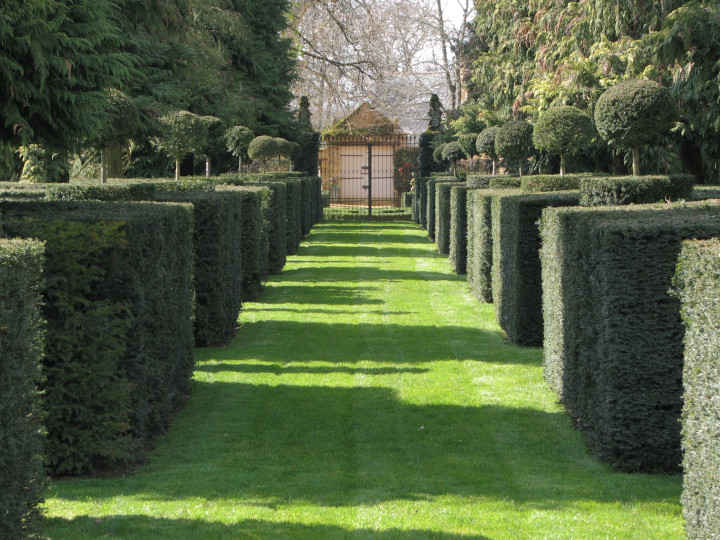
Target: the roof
(365, 120)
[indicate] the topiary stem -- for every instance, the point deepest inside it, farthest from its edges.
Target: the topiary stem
(493, 162)
(562, 164)
(103, 165)
(177, 169)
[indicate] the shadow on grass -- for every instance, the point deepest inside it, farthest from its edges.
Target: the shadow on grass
(248, 308)
(135, 526)
(355, 273)
(325, 295)
(273, 341)
(319, 249)
(339, 446)
(279, 369)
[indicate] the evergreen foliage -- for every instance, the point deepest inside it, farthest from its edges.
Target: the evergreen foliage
(635, 190)
(562, 129)
(457, 253)
(183, 133)
(263, 148)
(238, 139)
(426, 162)
(514, 141)
(485, 144)
(452, 152)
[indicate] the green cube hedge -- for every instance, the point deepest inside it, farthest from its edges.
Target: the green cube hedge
(698, 281)
(479, 180)
(504, 182)
(458, 229)
(22, 475)
(552, 182)
(276, 224)
(635, 189)
(480, 241)
(119, 307)
(129, 191)
(516, 273)
(218, 270)
(442, 216)
(613, 334)
(420, 212)
(431, 205)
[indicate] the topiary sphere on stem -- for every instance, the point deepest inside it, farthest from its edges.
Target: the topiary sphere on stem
(561, 130)
(453, 153)
(514, 141)
(633, 113)
(485, 144)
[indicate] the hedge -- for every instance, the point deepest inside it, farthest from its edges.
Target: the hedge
(102, 192)
(480, 241)
(22, 475)
(635, 190)
(408, 200)
(431, 207)
(552, 182)
(420, 210)
(442, 216)
(516, 273)
(504, 182)
(458, 228)
(479, 180)
(698, 284)
(119, 305)
(276, 224)
(613, 334)
(218, 270)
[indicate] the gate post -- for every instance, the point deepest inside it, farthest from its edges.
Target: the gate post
(369, 179)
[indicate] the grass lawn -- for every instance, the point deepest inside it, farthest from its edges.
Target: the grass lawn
(369, 395)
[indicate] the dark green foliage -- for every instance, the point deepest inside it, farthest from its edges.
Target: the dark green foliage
(218, 271)
(504, 182)
(408, 200)
(440, 162)
(698, 281)
(119, 304)
(485, 142)
(22, 476)
(613, 334)
(516, 273)
(310, 148)
(467, 143)
(442, 216)
(307, 205)
(633, 112)
(562, 129)
(420, 210)
(293, 188)
(276, 225)
(102, 192)
(426, 164)
(458, 228)
(635, 189)
(514, 141)
(479, 180)
(552, 182)
(452, 153)
(262, 148)
(431, 205)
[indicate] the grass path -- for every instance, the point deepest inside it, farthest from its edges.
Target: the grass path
(369, 396)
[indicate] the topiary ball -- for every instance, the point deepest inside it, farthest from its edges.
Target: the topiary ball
(452, 152)
(562, 129)
(262, 147)
(514, 140)
(633, 113)
(485, 142)
(437, 154)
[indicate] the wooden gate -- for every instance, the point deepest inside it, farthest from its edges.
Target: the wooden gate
(368, 171)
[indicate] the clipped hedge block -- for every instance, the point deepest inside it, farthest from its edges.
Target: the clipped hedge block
(145, 191)
(408, 200)
(552, 182)
(431, 205)
(218, 275)
(635, 189)
(442, 216)
(613, 334)
(119, 307)
(420, 212)
(504, 182)
(516, 272)
(276, 225)
(22, 475)
(698, 284)
(479, 180)
(458, 229)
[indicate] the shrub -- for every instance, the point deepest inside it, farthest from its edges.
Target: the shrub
(426, 163)
(430, 212)
(182, 133)
(119, 304)
(485, 144)
(238, 139)
(458, 228)
(276, 225)
(442, 216)
(467, 143)
(420, 211)
(440, 161)
(633, 113)
(309, 154)
(516, 274)
(562, 129)
(552, 182)
(218, 270)
(408, 200)
(129, 191)
(22, 476)
(504, 182)
(263, 148)
(307, 206)
(635, 190)
(123, 121)
(613, 334)
(478, 180)
(698, 284)
(452, 153)
(514, 141)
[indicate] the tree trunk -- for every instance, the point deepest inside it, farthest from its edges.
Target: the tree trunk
(493, 162)
(636, 160)
(520, 167)
(103, 165)
(240, 164)
(207, 166)
(114, 161)
(177, 169)
(562, 164)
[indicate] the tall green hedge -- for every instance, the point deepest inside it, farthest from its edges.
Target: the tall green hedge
(552, 182)
(420, 211)
(431, 205)
(22, 475)
(426, 163)
(613, 334)
(516, 274)
(504, 182)
(119, 307)
(218, 270)
(276, 225)
(479, 180)
(307, 205)
(458, 228)
(442, 216)
(129, 191)
(698, 281)
(480, 241)
(635, 189)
